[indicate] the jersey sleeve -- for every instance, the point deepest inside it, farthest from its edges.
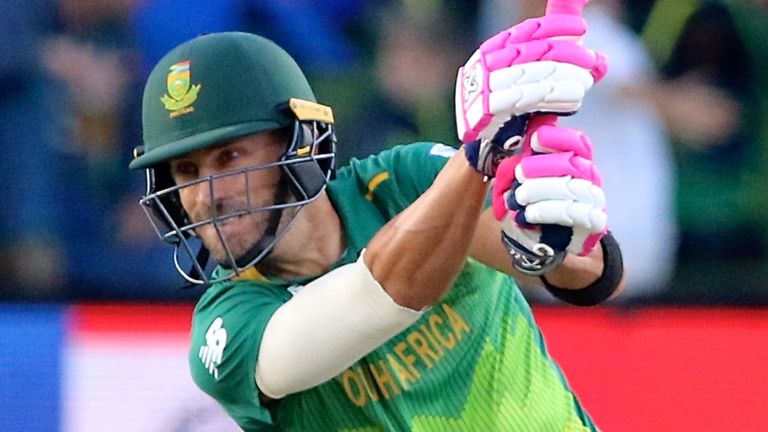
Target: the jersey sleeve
(415, 166)
(402, 174)
(226, 335)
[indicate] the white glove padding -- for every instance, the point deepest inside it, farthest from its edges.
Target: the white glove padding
(535, 66)
(564, 201)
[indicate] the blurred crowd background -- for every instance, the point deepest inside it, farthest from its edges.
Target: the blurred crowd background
(679, 125)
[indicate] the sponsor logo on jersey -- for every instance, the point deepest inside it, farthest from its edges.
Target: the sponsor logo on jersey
(212, 353)
(424, 347)
(181, 93)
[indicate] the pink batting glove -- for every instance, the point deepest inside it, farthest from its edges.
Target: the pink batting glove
(537, 66)
(551, 195)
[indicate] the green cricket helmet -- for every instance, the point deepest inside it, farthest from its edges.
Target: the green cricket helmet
(207, 92)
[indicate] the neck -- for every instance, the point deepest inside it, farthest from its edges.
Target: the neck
(312, 245)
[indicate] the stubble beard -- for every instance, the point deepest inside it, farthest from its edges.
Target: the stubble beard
(239, 234)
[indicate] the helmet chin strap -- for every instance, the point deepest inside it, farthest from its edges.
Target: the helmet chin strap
(263, 247)
(203, 254)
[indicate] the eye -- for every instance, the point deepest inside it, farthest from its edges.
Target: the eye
(228, 156)
(184, 171)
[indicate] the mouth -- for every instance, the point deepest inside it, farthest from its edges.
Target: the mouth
(227, 225)
(231, 229)
(211, 218)
(229, 220)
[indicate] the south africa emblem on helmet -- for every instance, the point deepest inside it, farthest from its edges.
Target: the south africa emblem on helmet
(181, 93)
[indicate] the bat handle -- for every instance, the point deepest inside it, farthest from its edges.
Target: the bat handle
(564, 7)
(568, 7)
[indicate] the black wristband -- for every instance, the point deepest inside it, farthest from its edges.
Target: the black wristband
(601, 289)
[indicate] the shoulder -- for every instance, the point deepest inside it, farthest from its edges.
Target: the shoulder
(239, 302)
(406, 170)
(422, 152)
(227, 327)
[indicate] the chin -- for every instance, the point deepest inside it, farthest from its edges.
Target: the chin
(219, 253)
(239, 236)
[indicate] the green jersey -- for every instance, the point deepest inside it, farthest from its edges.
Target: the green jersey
(474, 361)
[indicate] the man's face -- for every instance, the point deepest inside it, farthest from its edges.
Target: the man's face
(229, 194)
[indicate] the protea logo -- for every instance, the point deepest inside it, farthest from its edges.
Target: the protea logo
(182, 93)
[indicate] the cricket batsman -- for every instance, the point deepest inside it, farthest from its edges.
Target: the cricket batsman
(381, 296)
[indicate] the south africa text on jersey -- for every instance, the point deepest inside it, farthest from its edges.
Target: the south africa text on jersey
(425, 345)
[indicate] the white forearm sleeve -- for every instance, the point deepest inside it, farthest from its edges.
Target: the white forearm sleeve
(328, 325)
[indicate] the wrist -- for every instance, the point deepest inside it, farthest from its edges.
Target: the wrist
(604, 287)
(577, 272)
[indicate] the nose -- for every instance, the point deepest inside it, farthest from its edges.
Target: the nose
(209, 197)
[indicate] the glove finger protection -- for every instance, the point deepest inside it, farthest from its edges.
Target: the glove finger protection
(549, 198)
(537, 66)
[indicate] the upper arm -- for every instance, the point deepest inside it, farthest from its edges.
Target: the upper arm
(329, 324)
